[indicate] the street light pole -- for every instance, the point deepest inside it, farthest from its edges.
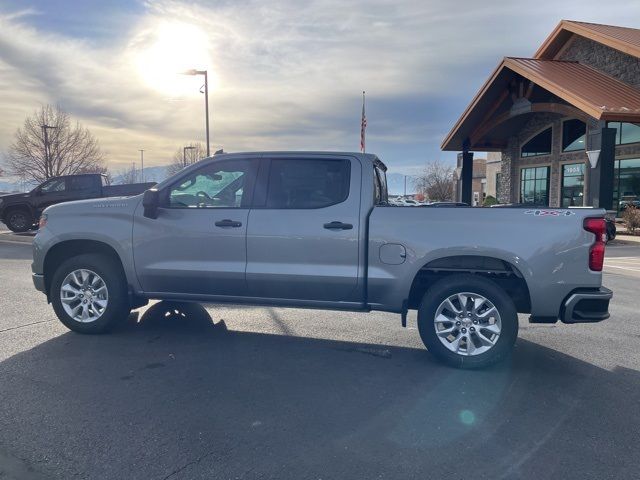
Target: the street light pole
(206, 106)
(206, 99)
(184, 154)
(142, 165)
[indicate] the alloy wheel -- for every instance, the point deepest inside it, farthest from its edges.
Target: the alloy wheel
(84, 295)
(467, 323)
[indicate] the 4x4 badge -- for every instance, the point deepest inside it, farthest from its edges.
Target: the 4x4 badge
(549, 213)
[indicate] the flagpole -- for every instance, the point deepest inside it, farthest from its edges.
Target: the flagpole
(363, 126)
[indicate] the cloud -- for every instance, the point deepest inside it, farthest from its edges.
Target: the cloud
(289, 73)
(19, 14)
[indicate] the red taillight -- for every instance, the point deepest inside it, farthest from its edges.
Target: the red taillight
(596, 226)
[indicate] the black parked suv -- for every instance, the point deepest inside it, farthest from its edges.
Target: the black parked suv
(21, 211)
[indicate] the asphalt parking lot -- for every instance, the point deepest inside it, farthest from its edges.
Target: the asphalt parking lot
(224, 392)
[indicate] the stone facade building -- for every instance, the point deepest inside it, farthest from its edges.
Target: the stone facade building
(478, 183)
(493, 173)
(566, 123)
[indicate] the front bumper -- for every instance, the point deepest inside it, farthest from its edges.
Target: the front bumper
(586, 306)
(38, 282)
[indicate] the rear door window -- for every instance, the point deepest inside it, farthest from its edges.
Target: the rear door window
(307, 183)
(80, 183)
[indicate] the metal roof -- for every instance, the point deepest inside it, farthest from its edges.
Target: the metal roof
(596, 94)
(624, 39)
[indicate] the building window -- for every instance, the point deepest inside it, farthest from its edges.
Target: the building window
(573, 134)
(626, 183)
(572, 185)
(626, 132)
(534, 186)
(538, 145)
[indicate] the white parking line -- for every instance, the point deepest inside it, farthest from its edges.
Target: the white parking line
(624, 268)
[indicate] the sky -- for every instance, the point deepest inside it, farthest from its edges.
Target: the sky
(284, 75)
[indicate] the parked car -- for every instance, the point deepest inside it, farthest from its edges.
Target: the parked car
(315, 230)
(21, 211)
(632, 202)
(405, 202)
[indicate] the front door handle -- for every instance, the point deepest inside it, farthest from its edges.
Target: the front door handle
(228, 223)
(338, 226)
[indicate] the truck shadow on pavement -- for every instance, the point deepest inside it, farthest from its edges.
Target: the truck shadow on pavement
(175, 394)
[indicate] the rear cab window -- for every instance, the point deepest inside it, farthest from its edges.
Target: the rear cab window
(380, 184)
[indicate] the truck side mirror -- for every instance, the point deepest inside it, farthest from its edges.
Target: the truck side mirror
(151, 202)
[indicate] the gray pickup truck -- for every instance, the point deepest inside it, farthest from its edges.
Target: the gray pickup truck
(315, 230)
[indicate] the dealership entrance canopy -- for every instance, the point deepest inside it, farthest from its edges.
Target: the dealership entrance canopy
(568, 105)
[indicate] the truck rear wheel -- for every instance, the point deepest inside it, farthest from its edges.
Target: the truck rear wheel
(468, 321)
(89, 294)
(19, 220)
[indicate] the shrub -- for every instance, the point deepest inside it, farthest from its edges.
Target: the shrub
(489, 200)
(631, 217)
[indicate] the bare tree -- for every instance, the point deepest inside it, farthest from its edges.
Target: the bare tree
(182, 158)
(68, 149)
(436, 181)
(128, 175)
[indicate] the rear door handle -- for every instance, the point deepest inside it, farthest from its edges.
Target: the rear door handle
(338, 226)
(228, 223)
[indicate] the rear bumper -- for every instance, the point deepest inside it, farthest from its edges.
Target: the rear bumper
(586, 306)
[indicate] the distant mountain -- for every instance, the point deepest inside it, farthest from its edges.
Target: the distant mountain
(13, 185)
(151, 174)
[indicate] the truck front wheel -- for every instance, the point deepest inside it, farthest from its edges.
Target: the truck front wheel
(19, 220)
(468, 321)
(89, 294)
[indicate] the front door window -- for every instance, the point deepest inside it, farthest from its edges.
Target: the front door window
(218, 185)
(55, 185)
(573, 185)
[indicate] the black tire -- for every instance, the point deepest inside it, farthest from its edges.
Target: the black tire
(117, 309)
(611, 231)
(452, 285)
(19, 220)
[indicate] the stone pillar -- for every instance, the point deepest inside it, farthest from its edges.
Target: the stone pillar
(508, 188)
(601, 177)
(466, 177)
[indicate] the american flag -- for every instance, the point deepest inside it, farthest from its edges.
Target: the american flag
(363, 127)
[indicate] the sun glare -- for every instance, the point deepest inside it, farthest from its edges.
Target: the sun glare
(168, 50)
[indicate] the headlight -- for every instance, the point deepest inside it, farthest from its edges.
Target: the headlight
(1, 201)
(43, 221)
